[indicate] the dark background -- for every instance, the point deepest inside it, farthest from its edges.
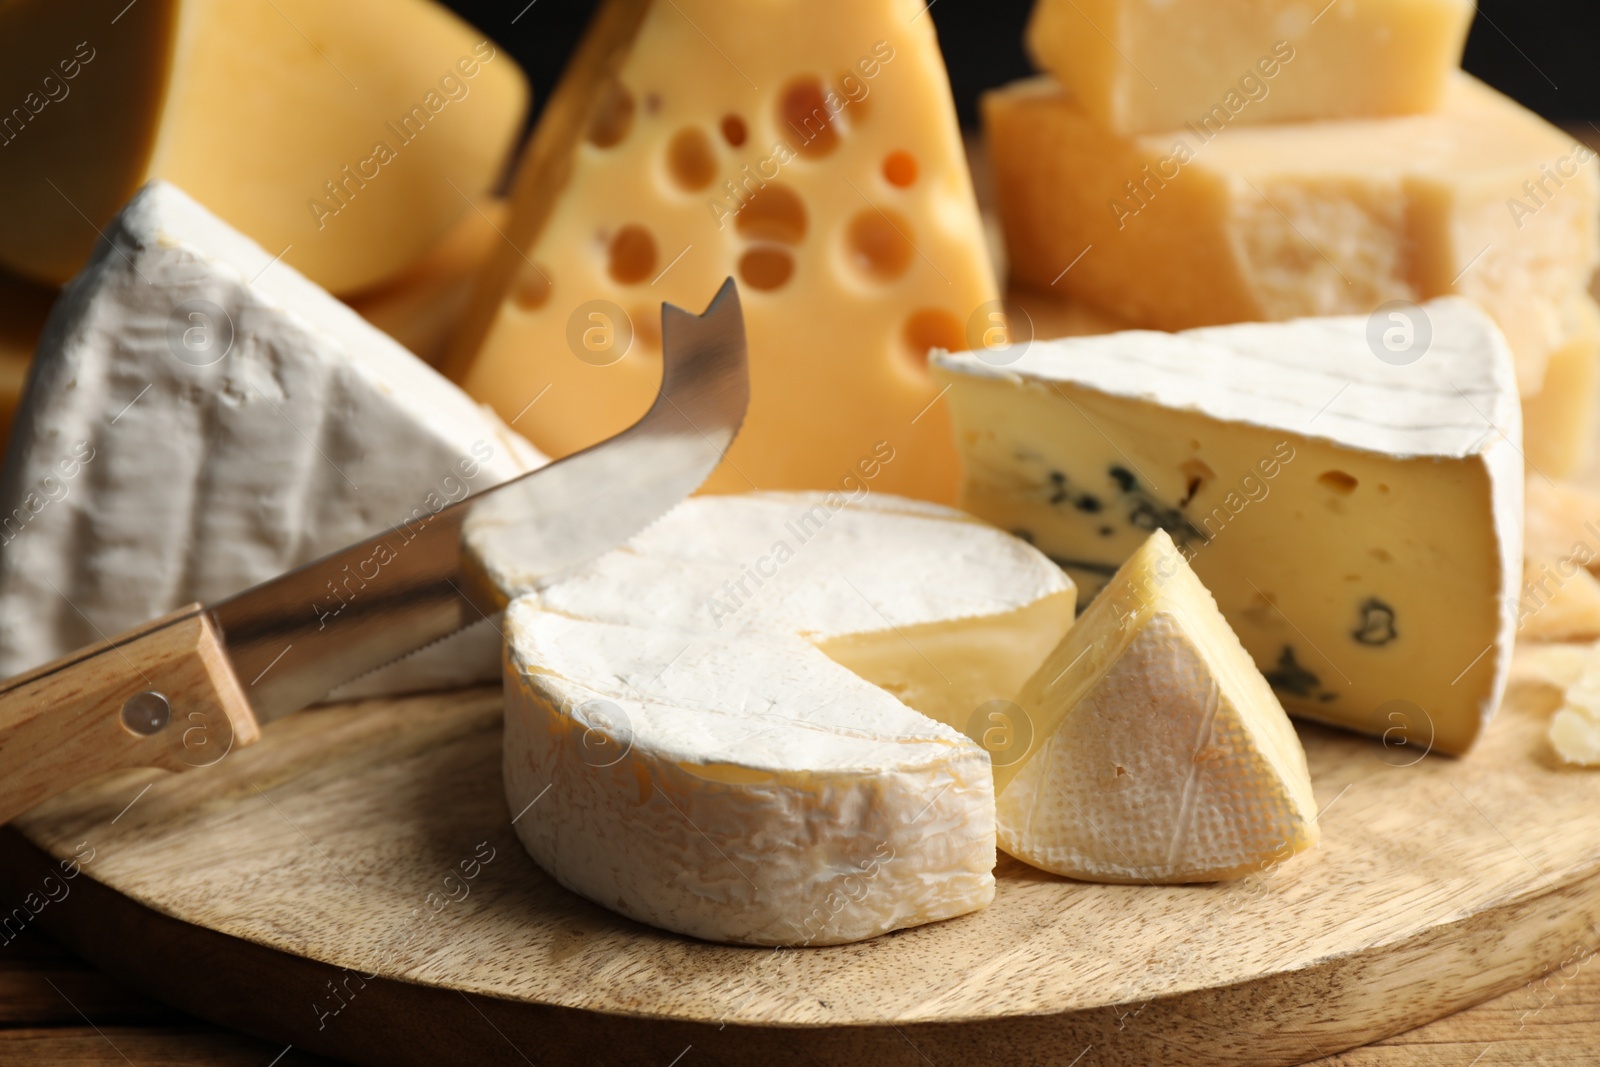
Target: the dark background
(1544, 53)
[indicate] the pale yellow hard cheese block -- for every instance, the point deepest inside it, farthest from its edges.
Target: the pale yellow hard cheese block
(1198, 227)
(348, 135)
(1145, 65)
(811, 152)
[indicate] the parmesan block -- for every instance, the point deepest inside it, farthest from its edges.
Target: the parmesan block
(1158, 753)
(1559, 421)
(1141, 66)
(747, 724)
(201, 418)
(344, 136)
(1198, 227)
(1359, 521)
(814, 156)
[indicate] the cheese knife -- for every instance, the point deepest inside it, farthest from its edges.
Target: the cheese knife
(183, 690)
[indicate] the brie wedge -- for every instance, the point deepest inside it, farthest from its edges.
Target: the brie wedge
(1159, 753)
(695, 715)
(200, 418)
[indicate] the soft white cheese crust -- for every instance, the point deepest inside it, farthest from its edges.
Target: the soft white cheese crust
(795, 562)
(1316, 377)
(139, 482)
(750, 791)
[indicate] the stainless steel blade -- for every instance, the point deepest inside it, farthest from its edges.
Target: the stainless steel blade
(295, 638)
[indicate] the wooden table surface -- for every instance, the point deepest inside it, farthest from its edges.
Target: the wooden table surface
(55, 1009)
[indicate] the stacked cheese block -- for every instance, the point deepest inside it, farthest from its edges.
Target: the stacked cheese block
(1186, 163)
(813, 155)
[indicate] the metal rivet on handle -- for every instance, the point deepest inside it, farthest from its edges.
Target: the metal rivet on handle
(146, 713)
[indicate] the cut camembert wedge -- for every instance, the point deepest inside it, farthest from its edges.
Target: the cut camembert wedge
(1159, 753)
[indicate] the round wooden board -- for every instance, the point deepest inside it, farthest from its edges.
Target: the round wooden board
(353, 885)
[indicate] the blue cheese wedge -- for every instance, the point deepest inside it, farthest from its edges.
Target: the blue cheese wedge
(200, 418)
(749, 724)
(1349, 489)
(1159, 753)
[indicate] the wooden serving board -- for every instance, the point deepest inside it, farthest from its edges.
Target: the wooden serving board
(353, 885)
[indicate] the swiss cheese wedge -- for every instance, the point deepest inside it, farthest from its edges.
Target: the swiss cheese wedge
(1158, 752)
(1197, 226)
(1356, 511)
(200, 418)
(696, 719)
(809, 150)
(344, 136)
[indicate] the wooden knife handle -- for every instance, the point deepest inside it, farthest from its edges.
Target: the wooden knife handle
(161, 695)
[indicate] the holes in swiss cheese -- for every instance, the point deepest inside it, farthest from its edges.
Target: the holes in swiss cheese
(1340, 482)
(804, 115)
(734, 131)
(900, 169)
(930, 328)
(774, 216)
(532, 291)
(612, 116)
(879, 245)
(689, 159)
(775, 213)
(766, 267)
(632, 255)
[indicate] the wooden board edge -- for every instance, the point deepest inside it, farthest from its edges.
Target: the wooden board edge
(1337, 1004)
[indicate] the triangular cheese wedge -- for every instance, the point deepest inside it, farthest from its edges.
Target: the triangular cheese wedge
(688, 715)
(200, 418)
(1260, 446)
(1158, 753)
(810, 151)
